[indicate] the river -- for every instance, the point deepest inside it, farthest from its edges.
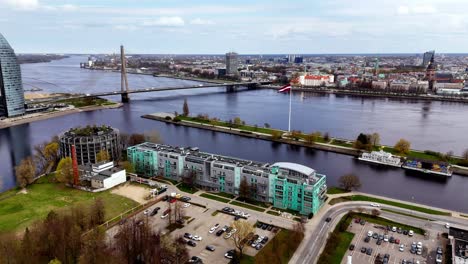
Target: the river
(428, 125)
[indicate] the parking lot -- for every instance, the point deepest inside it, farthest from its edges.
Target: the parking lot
(203, 221)
(398, 251)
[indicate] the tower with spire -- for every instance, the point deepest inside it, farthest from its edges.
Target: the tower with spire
(430, 73)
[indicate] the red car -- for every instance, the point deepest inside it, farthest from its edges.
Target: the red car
(397, 241)
(357, 220)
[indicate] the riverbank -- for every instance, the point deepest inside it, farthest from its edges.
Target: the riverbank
(10, 122)
(362, 93)
(335, 145)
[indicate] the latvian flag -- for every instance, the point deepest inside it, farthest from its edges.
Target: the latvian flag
(285, 88)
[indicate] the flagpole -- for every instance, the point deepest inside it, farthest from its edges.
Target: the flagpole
(289, 124)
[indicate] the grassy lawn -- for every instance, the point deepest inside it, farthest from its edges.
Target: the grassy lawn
(281, 246)
(254, 202)
(246, 259)
(335, 190)
(227, 125)
(273, 213)
(82, 102)
(213, 197)
(18, 211)
(247, 206)
(226, 195)
(393, 203)
(338, 242)
(401, 213)
(185, 188)
(287, 211)
(386, 222)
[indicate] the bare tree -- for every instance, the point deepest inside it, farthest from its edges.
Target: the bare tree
(375, 139)
(375, 212)
(153, 136)
(244, 189)
(465, 154)
(97, 214)
(349, 182)
(25, 172)
(185, 108)
(239, 238)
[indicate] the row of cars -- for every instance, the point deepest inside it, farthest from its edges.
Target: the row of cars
(268, 227)
(226, 229)
(237, 214)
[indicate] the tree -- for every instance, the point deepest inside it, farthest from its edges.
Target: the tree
(363, 141)
(298, 232)
(25, 172)
(403, 146)
(375, 139)
(97, 214)
(349, 182)
(375, 212)
(185, 108)
(465, 154)
(275, 135)
(244, 228)
(266, 125)
(135, 139)
(190, 178)
(296, 134)
(128, 166)
(326, 137)
(310, 138)
(64, 173)
(102, 155)
(153, 136)
(244, 189)
(237, 121)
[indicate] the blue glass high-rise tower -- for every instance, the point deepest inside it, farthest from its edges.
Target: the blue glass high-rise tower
(11, 87)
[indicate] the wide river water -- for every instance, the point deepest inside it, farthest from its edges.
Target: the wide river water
(437, 126)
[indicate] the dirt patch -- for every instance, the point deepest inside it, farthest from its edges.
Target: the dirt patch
(134, 192)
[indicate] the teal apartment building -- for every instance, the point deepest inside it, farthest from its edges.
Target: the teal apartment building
(285, 185)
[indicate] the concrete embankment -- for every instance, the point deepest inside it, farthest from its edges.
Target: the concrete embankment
(47, 115)
(233, 131)
(373, 94)
(319, 146)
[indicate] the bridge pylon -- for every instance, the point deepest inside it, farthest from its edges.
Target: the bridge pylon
(123, 76)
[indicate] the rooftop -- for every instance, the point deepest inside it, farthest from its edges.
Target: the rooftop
(90, 130)
(295, 167)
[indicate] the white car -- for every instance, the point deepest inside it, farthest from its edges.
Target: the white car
(228, 235)
(411, 233)
(186, 205)
(447, 225)
(233, 231)
(370, 233)
(375, 204)
(394, 229)
(419, 245)
(146, 212)
(197, 238)
(164, 216)
(402, 247)
(214, 228)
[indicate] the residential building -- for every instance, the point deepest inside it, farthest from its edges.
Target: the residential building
(379, 85)
(89, 141)
(316, 80)
(283, 184)
(102, 175)
(459, 243)
(11, 86)
(232, 63)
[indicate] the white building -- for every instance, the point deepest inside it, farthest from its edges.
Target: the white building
(316, 80)
(103, 175)
(380, 85)
(448, 88)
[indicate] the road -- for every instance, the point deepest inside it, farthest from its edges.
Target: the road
(317, 230)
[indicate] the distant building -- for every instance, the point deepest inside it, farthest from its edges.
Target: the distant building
(11, 86)
(431, 73)
(427, 57)
(316, 80)
(220, 72)
(89, 141)
(285, 185)
(103, 175)
(298, 59)
(379, 85)
(232, 63)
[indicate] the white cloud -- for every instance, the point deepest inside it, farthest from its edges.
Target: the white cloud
(21, 4)
(68, 7)
(125, 27)
(173, 21)
(199, 21)
(421, 9)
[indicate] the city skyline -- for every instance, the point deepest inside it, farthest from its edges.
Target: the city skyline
(260, 27)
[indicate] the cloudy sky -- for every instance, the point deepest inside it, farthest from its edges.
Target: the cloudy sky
(245, 26)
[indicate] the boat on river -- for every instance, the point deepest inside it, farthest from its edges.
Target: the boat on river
(428, 166)
(381, 157)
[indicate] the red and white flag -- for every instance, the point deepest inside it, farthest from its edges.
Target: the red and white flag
(285, 88)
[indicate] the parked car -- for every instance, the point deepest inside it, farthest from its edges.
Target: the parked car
(264, 226)
(370, 233)
(402, 247)
(236, 218)
(210, 248)
(155, 211)
(438, 258)
(230, 254)
(351, 247)
(394, 229)
(410, 233)
(146, 212)
(264, 240)
(197, 238)
(328, 219)
(386, 238)
(191, 243)
(188, 235)
(270, 227)
(357, 220)
(258, 246)
(405, 232)
(363, 250)
(439, 250)
(362, 222)
(186, 205)
(259, 224)
(213, 228)
(379, 242)
(220, 232)
(369, 251)
(367, 239)
(375, 236)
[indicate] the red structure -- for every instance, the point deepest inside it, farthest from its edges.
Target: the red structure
(75, 166)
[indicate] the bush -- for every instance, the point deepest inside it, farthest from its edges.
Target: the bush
(168, 118)
(176, 119)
